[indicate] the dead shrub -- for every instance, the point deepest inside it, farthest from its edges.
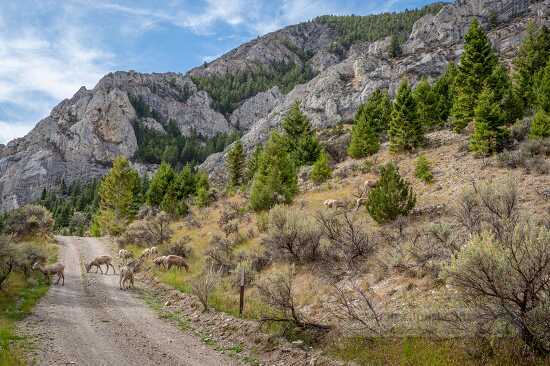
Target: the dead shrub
(180, 248)
(220, 254)
(277, 290)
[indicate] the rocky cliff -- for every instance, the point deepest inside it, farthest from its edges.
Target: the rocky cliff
(82, 135)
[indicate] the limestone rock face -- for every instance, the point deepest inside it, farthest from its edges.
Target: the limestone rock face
(255, 108)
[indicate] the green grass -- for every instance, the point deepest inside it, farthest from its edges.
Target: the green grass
(17, 299)
(422, 351)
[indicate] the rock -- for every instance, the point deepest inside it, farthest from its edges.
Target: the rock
(255, 108)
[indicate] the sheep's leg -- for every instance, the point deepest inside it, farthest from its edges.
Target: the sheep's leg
(58, 278)
(114, 272)
(99, 266)
(63, 276)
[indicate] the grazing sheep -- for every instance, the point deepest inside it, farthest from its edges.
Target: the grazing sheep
(98, 262)
(57, 269)
(159, 261)
(175, 260)
(333, 203)
(126, 279)
(124, 255)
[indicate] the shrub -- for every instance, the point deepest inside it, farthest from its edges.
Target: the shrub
(149, 231)
(180, 247)
(292, 235)
(321, 171)
(423, 169)
(520, 129)
(540, 128)
(506, 280)
(203, 285)
(29, 220)
(391, 197)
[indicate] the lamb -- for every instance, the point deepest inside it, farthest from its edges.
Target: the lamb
(175, 260)
(159, 261)
(127, 274)
(98, 262)
(125, 255)
(57, 269)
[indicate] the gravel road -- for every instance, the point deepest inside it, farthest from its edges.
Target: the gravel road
(89, 321)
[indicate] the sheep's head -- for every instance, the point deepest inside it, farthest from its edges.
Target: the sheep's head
(36, 265)
(88, 267)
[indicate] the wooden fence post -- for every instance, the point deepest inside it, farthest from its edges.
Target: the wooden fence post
(241, 298)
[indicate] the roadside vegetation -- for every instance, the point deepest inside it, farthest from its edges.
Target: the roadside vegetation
(25, 238)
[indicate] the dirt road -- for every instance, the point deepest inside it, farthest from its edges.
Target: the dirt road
(89, 321)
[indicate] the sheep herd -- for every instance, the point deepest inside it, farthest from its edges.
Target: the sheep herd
(129, 266)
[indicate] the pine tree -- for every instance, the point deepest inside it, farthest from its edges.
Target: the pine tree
(405, 129)
(500, 84)
(540, 127)
(543, 89)
(426, 104)
(302, 142)
(235, 165)
(158, 187)
(364, 138)
(443, 90)
(395, 47)
(321, 171)
(391, 197)
(532, 57)
(185, 183)
(476, 65)
(423, 169)
(252, 164)
(275, 180)
(117, 197)
(489, 132)
(202, 190)
(377, 111)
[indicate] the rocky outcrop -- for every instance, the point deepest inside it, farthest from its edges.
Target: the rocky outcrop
(334, 95)
(255, 108)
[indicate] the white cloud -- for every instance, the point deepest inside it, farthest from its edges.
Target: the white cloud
(41, 66)
(9, 131)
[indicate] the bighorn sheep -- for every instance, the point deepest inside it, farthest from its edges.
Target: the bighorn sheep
(98, 262)
(127, 274)
(125, 255)
(159, 261)
(175, 260)
(57, 269)
(153, 251)
(334, 204)
(146, 253)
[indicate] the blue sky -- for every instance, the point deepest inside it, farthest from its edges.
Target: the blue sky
(50, 48)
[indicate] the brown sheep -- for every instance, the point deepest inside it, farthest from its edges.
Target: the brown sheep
(57, 269)
(175, 260)
(98, 262)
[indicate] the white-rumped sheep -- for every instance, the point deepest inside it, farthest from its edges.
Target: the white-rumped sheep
(126, 279)
(124, 255)
(175, 260)
(48, 271)
(334, 203)
(98, 262)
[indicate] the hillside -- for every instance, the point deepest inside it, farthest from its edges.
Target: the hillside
(323, 63)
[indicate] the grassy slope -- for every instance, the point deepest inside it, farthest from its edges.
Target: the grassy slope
(453, 170)
(17, 298)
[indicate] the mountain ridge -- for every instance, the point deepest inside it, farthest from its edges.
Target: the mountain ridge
(83, 134)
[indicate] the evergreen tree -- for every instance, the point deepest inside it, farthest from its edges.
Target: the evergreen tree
(443, 90)
(252, 163)
(321, 171)
(364, 139)
(117, 197)
(476, 65)
(235, 164)
(161, 181)
(275, 180)
(395, 47)
(500, 84)
(426, 104)
(202, 190)
(423, 169)
(405, 129)
(532, 57)
(377, 111)
(185, 183)
(489, 132)
(540, 127)
(543, 89)
(302, 143)
(391, 197)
